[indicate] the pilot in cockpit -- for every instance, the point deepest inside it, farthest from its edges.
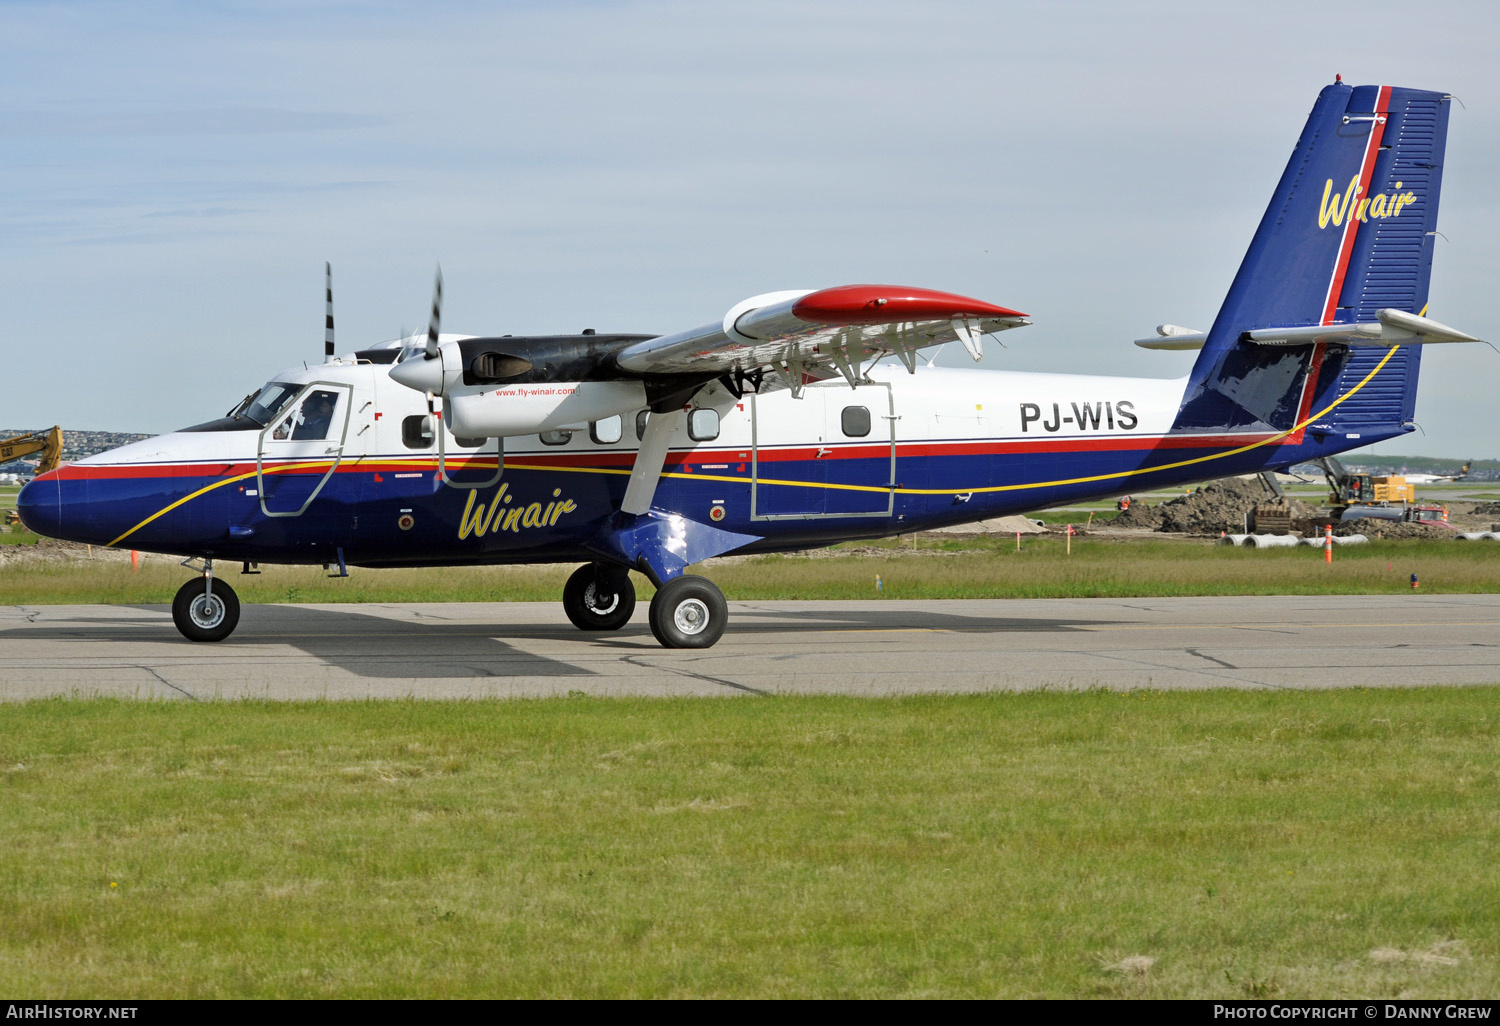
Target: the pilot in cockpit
(317, 415)
(311, 421)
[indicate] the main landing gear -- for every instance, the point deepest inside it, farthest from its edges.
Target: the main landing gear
(206, 609)
(599, 597)
(686, 612)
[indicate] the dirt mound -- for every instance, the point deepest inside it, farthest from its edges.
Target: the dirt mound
(1216, 506)
(1139, 517)
(1388, 529)
(1486, 509)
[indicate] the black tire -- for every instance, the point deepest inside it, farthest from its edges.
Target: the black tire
(688, 612)
(204, 617)
(599, 598)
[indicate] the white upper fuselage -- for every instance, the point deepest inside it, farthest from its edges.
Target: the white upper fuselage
(940, 405)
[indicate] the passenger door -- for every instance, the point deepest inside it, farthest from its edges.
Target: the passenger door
(300, 449)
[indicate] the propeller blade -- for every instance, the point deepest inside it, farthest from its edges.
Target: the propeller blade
(437, 315)
(328, 327)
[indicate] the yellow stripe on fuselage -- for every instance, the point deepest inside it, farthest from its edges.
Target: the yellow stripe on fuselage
(1116, 476)
(208, 488)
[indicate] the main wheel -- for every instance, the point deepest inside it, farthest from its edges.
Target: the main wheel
(204, 615)
(688, 612)
(599, 598)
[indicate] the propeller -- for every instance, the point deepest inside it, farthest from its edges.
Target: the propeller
(328, 327)
(437, 315)
(427, 374)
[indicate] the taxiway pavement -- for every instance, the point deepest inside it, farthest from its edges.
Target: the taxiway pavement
(474, 650)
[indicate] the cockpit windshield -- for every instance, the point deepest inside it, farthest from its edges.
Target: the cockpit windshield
(271, 401)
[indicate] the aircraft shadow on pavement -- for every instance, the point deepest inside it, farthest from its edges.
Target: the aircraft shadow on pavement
(374, 646)
(360, 643)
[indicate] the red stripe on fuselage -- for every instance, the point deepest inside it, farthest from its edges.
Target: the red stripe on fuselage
(935, 448)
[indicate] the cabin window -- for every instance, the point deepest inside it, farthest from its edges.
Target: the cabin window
(556, 437)
(607, 431)
(640, 424)
(467, 443)
(856, 421)
(416, 431)
(703, 425)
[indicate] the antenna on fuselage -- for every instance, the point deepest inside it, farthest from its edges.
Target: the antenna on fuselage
(328, 322)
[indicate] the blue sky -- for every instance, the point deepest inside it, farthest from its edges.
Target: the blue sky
(172, 176)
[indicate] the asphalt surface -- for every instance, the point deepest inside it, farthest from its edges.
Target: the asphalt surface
(446, 650)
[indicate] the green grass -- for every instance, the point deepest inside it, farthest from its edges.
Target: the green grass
(941, 567)
(15, 535)
(1322, 844)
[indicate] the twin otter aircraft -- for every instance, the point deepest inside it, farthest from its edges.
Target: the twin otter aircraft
(778, 428)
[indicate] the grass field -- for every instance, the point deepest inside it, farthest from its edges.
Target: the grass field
(1220, 844)
(940, 567)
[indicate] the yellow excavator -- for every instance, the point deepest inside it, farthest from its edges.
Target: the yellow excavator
(48, 443)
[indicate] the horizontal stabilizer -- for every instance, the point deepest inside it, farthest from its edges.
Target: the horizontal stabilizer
(1193, 341)
(1390, 328)
(1173, 336)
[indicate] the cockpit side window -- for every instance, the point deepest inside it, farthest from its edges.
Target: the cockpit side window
(311, 418)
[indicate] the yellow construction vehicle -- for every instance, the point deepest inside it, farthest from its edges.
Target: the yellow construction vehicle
(1351, 489)
(49, 444)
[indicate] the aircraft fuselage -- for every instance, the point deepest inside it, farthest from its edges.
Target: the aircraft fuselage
(898, 454)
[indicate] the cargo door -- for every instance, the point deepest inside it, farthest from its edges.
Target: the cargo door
(831, 453)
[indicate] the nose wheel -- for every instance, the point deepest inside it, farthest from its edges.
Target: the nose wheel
(688, 612)
(206, 610)
(599, 597)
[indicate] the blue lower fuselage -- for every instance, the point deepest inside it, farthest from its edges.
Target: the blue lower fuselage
(395, 511)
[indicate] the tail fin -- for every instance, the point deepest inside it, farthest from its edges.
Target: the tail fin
(1348, 231)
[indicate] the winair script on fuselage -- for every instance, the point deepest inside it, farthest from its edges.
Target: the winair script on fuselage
(1337, 206)
(1116, 416)
(479, 518)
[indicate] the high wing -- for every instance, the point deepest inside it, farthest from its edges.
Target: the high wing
(503, 386)
(805, 335)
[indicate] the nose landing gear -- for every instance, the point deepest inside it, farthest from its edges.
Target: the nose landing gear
(206, 609)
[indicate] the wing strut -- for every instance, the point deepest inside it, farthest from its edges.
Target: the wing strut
(658, 543)
(649, 461)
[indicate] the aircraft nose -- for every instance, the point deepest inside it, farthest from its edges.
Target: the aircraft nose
(40, 505)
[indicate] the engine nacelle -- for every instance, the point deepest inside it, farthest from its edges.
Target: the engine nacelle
(543, 406)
